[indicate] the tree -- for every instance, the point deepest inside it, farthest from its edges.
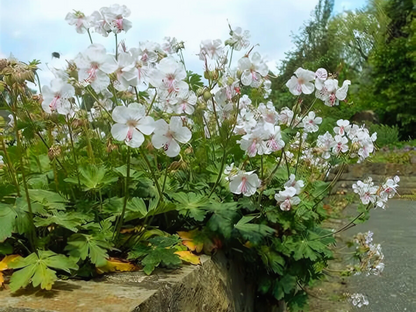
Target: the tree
(393, 69)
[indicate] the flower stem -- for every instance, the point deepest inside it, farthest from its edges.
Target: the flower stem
(159, 190)
(89, 35)
(32, 230)
(10, 165)
(73, 150)
(120, 220)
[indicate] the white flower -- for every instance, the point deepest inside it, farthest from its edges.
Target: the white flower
(366, 190)
(301, 83)
(1, 161)
(253, 70)
(126, 72)
(285, 116)
(340, 145)
(166, 136)
(115, 18)
(310, 123)
(211, 48)
(325, 143)
(388, 189)
(171, 45)
(293, 183)
(331, 94)
(169, 77)
(239, 39)
(320, 76)
(343, 127)
(94, 65)
(287, 198)
(359, 300)
(131, 122)
(81, 22)
(56, 97)
(268, 112)
(245, 183)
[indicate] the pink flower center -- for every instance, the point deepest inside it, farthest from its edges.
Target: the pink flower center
(92, 73)
(244, 185)
(54, 103)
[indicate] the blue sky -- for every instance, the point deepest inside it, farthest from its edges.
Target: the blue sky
(32, 29)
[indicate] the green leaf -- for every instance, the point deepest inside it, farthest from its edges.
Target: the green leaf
(191, 204)
(136, 209)
(253, 232)
(6, 248)
(284, 286)
(36, 268)
(224, 217)
(45, 197)
(7, 221)
(69, 221)
(160, 256)
(93, 177)
(81, 246)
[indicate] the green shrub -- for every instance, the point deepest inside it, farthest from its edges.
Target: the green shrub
(386, 135)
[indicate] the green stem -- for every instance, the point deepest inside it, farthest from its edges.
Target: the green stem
(137, 94)
(120, 221)
(151, 104)
(10, 165)
(115, 35)
(219, 174)
(89, 35)
(32, 231)
(73, 150)
(159, 190)
(231, 57)
(300, 147)
(182, 59)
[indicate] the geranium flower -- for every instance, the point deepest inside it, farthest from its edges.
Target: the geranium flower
(55, 97)
(253, 70)
(168, 136)
(211, 48)
(239, 39)
(287, 198)
(301, 83)
(131, 124)
(310, 123)
(81, 22)
(245, 183)
(94, 65)
(331, 94)
(297, 184)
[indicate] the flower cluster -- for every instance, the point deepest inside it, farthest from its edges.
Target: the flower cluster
(106, 20)
(370, 255)
(347, 137)
(358, 300)
(327, 89)
(377, 195)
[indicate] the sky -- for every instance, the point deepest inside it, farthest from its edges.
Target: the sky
(33, 29)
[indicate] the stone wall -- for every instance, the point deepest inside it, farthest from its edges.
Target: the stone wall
(217, 285)
(379, 172)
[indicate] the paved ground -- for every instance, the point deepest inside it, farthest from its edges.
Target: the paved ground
(395, 229)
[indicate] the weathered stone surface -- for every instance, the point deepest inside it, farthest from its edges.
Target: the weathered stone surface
(217, 285)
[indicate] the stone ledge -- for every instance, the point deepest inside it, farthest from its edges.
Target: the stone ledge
(214, 286)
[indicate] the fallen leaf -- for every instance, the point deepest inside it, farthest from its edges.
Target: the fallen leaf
(189, 257)
(4, 265)
(117, 265)
(193, 240)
